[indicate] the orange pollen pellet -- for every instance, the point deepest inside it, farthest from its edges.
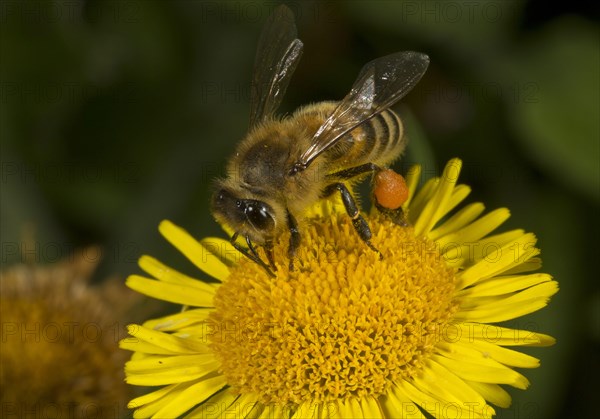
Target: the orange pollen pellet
(390, 189)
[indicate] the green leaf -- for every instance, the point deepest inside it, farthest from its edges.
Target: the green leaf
(556, 115)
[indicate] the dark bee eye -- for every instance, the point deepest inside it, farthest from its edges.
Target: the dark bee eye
(258, 213)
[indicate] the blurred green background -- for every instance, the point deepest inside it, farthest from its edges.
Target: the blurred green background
(117, 114)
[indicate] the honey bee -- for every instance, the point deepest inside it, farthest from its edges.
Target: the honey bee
(284, 165)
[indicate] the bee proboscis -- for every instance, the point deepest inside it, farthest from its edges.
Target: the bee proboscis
(282, 166)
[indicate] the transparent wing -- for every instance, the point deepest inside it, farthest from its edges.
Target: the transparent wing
(277, 56)
(380, 84)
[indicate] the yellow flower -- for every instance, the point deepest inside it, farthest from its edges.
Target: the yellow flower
(346, 334)
(60, 354)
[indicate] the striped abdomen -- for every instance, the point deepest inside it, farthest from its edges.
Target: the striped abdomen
(378, 140)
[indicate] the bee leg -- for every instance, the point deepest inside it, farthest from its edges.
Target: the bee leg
(269, 251)
(294, 238)
(396, 215)
(359, 223)
(252, 249)
(253, 256)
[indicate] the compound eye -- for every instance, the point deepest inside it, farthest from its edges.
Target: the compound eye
(258, 213)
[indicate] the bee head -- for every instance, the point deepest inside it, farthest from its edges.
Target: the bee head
(248, 216)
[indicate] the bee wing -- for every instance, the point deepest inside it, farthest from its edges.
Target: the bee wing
(380, 84)
(277, 56)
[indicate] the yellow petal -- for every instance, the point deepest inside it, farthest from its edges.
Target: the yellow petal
(500, 314)
(498, 309)
(170, 376)
(150, 397)
(511, 255)
(255, 412)
(416, 395)
(471, 252)
(174, 293)
(199, 255)
(441, 407)
(243, 406)
(191, 396)
(459, 194)
(467, 331)
(215, 406)
(229, 405)
(163, 273)
(345, 409)
(459, 220)
(397, 404)
(152, 364)
(356, 408)
(532, 264)
(492, 393)
(174, 344)
(194, 317)
(140, 347)
(274, 410)
(421, 199)
(437, 206)
(307, 410)
(412, 181)
(223, 249)
(150, 408)
(486, 247)
(476, 230)
(487, 353)
(370, 408)
(450, 381)
(501, 285)
(482, 373)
